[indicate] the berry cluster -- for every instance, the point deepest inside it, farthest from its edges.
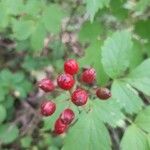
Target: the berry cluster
(79, 96)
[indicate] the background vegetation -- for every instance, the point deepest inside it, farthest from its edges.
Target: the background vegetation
(113, 36)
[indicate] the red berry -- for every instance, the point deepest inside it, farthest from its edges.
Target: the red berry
(46, 85)
(65, 81)
(79, 97)
(48, 108)
(67, 116)
(89, 75)
(60, 127)
(71, 66)
(103, 93)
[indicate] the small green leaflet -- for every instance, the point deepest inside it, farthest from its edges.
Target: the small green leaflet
(116, 53)
(88, 133)
(134, 139)
(140, 77)
(92, 6)
(143, 119)
(126, 96)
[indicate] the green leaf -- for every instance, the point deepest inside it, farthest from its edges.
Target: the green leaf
(34, 7)
(53, 148)
(142, 28)
(18, 77)
(2, 113)
(119, 12)
(142, 5)
(146, 49)
(93, 6)
(22, 29)
(115, 53)
(14, 82)
(93, 58)
(23, 45)
(8, 133)
(26, 142)
(136, 55)
(37, 37)
(53, 22)
(4, 17)
(140, 77)
(109, 112)
(92, 132)
(9, 102)
(58, 50)
(47, 139)
(143, 119)
(57, 141)
(90, 31)
(35, 63)
(134, 139)
(14, 7)
(6, 78)
(23, 88)
(148, 136)
(126, 96)
(3, 93)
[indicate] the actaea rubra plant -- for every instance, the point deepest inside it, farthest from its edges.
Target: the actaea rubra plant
(78, 95)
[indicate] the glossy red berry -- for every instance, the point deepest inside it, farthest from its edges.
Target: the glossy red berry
(60, 127)
(65, 81)
(48, 108)
(103, 93)
(46, 85)
(67, 116)
(79, 97)
(89, 75)
(71, 66)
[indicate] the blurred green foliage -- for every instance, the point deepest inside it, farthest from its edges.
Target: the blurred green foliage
(115, 36)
